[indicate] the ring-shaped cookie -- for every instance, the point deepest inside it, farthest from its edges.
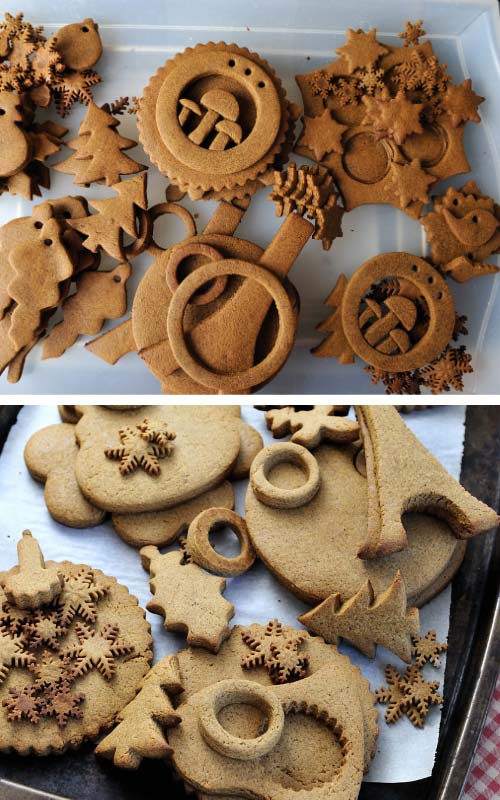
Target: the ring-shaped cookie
(143, 240)
(170, 208)
(205, 555)
(255, 375)
(276, 496)
(435, 292)
(232, 692)
(238, 67)
(178, 254)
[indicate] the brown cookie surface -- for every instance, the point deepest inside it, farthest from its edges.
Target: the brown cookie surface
(328, 532)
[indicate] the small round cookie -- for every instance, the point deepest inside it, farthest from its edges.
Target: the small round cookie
(202, 552)
(50, 456)
(163, 527)
(154, 457)
(69, 667)
(313, 550)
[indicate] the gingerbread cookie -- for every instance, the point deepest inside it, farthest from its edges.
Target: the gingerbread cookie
(99, 151)
(463, 231)
(200, 550)
(174, 585)
(250, 444)
(199, 669)
(163, 527)
(50, 456)
(68, 667)
(313, 549)
(403, 476)
(386, 121)
(141, 724)
(215, 131)
(310, 428)
(212, 757)
(138, 475)
(366, 622)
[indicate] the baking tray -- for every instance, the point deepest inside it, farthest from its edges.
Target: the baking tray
(471, 669)
(296, 36)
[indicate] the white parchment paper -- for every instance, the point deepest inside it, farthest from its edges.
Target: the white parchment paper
(404, 753)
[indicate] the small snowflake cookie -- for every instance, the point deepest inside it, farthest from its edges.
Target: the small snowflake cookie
(74, 648)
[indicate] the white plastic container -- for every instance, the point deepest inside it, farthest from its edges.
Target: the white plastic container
(295, 37)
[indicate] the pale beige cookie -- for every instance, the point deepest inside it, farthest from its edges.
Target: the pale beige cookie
(152, 474)
(250, 444)
(313, 549)
(309, 428)
(50, 456)
(32, 583)
(199, 668)
(404, 476)
(309, 723)
(141, 724)
(201, 551)
(66, 669)
(174, 585)
(366, 622)
(163, 527)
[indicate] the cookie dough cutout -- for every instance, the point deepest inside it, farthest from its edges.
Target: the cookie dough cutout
(50, 456)
(202, 552)
(313, 550)
(81, 661)
(251, 444)
(403, 476)
(161, 528)
(284, 497)
(310, 428)
(174, 585)
(207, 444)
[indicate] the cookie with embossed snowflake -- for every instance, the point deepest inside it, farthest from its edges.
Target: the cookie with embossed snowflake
(217, 129)
(154, 457)
(68, 666)
(386, 120)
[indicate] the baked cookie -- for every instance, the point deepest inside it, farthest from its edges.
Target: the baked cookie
(313, 549)
(127, 461)
(69, 666)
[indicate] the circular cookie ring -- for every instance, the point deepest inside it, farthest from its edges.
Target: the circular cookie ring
(202, 552)
(177, 256)
(143, 240)
(170, 208)
(255, 375)
(275, 496)
(233, 66)
(231, 692)
(434, 290)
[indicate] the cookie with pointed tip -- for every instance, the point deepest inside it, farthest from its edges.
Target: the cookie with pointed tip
(163, 527)
(366, 621)
(313, 549)
(174, 585)
(100, 650)
(403, 476)
(142, 724)
(50, 456)
(32, 583)
(310, 428)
